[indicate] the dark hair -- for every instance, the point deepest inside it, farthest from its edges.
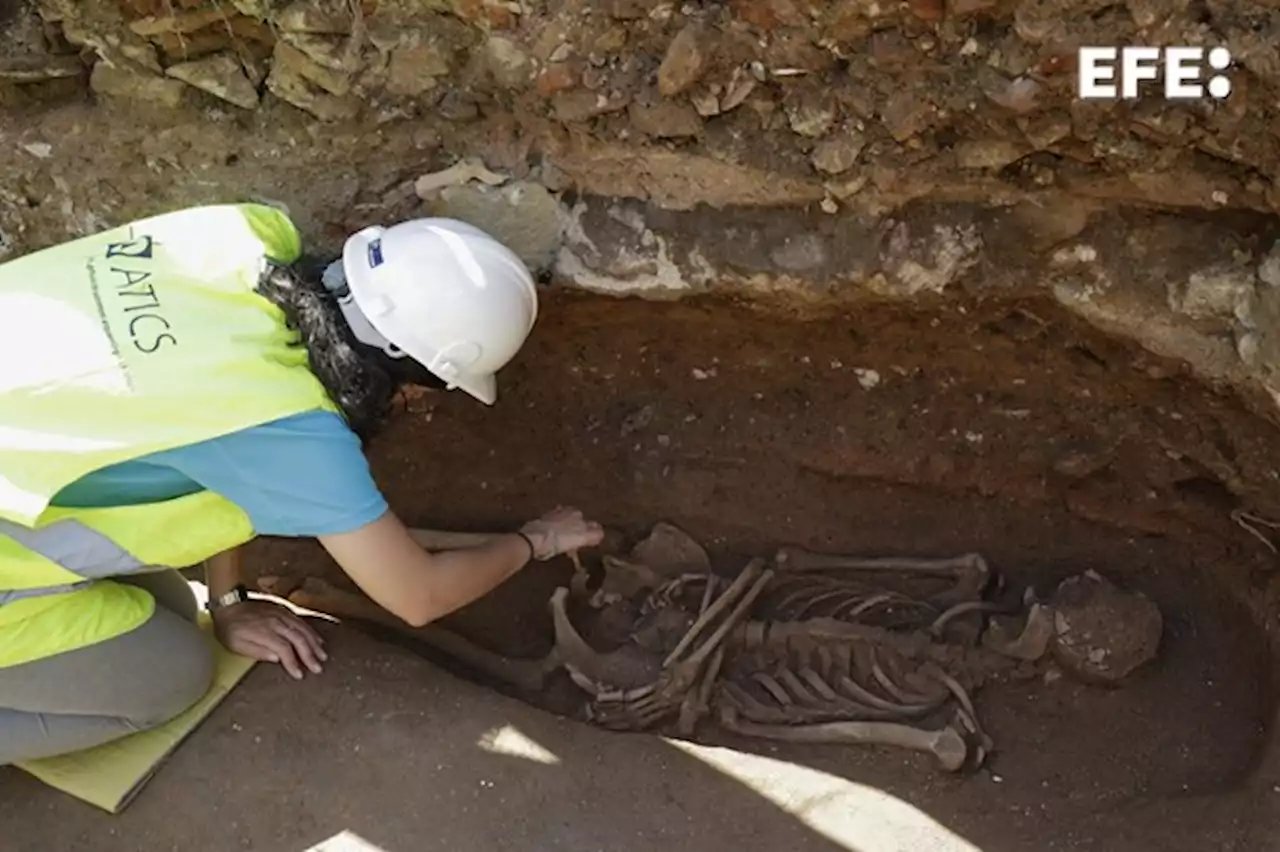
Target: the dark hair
(361, 380)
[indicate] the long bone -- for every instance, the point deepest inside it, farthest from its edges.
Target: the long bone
(946, 744)
(970, 570)
(319, 596)
(697, 703)
(750, 574)
(801, 559)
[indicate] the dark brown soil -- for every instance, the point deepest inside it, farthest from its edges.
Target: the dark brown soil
(1017, 433)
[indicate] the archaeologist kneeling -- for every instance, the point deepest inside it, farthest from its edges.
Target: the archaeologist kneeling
(174, 387)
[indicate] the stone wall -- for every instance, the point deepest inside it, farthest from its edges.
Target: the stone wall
(803, 152)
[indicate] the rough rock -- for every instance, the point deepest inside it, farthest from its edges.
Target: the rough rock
(812, 116)
(1020, 95)
(1102, 633)
(683, 64)
(507, 62)
(928, 262)
(323, 17)
(295, 79)
(906, 114)
(1269, 269)
(800, 253)
(987, 153)
(666, 120)
(416, 63)
(559, 77)
(130, 82)
(931, 11)
(338, 54)
(222, 76)
(583, 105)
(1042, 131)
(837, 154)
(302, 72)
(523, 215)
(1215, 293)
(180, 22)
(1045, 224)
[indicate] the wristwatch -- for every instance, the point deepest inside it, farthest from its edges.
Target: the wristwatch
(236, 595)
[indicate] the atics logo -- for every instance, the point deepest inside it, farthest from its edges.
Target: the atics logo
(1185, 76)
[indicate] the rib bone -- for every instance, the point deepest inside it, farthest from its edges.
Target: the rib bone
(1032, 643)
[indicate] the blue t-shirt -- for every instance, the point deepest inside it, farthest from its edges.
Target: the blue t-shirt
(304, 475)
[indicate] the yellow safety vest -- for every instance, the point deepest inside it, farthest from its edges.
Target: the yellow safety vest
(132, 341)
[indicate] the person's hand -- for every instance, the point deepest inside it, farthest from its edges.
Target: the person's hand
(271, 633)
(560, 531)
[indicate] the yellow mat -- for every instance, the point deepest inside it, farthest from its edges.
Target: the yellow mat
(111, 775)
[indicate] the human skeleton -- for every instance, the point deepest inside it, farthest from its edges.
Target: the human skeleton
(806, 647)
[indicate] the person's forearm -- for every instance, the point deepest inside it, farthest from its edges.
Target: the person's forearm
(223, 572)
(393, 567)
(456, 578)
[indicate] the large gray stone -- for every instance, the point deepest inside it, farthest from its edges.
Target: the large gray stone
(524, 216)
(221, 75)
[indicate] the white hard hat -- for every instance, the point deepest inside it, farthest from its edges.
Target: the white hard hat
(445, 293)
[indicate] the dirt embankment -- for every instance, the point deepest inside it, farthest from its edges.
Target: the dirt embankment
(814, 152)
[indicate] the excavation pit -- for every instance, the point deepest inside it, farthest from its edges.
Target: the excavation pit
(1009, 429)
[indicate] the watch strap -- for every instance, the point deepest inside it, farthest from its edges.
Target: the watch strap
(237, 594)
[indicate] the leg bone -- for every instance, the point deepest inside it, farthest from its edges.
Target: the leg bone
(946, 744)
(800, 559)
(315, 594)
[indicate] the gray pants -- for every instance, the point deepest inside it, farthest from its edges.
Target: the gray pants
(92, 695)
